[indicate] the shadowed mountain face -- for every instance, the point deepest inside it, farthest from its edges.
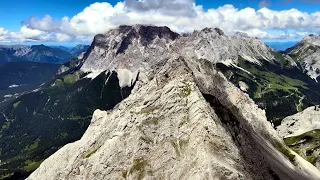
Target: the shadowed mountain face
(21, 77)
(38, 123)
(40, 53)
(60, 111)
(281, 91)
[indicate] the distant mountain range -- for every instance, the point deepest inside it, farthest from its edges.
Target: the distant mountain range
(40, 53)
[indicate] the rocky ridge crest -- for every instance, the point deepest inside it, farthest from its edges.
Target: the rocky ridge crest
(186, 121)
(182, 120)
(138, 46)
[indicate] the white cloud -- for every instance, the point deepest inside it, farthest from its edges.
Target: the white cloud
(44, 24)
(3, 31)
(179, 15)
(62, 37)
(32, 35)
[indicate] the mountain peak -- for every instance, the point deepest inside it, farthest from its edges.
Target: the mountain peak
(312, 39)
(213, 30)
(145, 33)
(145, 45)
(148, 32)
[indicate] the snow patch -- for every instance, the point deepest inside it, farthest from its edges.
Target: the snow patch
(126, 77)
(230, 62)
(251, 59)
(14, 86)
(93, 74)
(36, 90)
(8, 96)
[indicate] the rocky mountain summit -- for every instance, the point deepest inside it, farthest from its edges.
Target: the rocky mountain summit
(139, 48)
(183, 119)
(130, 46)
(307, 54)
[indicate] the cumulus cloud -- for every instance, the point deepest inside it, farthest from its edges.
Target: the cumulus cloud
(62, 37)
(32, 35)
(44, 24)
(179, 15)
(3, 31)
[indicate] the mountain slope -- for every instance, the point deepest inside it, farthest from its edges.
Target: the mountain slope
(77, 50)
(307, 53)
(25, 73)
(281, 91)
(41, 53)
(175, 126)
(56, 114)
(17, 77)
(301, 132)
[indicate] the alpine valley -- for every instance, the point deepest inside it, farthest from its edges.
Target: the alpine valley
(144, 102)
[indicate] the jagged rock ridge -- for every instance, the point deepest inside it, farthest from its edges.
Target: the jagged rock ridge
(130, 46)
(183, 120)
(307, 53)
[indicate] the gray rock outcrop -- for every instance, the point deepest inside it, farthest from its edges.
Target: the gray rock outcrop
(182, 120)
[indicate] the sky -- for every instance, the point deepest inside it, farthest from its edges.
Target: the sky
(77, 21)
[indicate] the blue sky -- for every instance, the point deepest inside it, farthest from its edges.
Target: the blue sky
(12, 12)
(16, 13)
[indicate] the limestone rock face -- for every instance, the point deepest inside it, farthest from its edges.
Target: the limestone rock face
(129, 47)
(302, 133)
(300, 123)
(183, 120)
(307, 53)
(216, 47)
(140, 47)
